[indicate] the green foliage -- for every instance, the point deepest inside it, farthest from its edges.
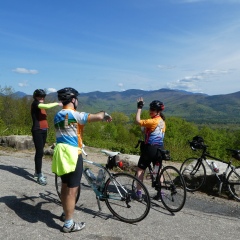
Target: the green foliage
(122, 133)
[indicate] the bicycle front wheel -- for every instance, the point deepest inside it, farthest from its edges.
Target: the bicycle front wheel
(233, 182)
(121, 200)
(58, 186)
(172, 189)
(194, 173)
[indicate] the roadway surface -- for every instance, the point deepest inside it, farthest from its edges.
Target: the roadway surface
(31, 211)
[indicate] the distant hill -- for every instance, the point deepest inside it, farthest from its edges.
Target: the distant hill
(194, 107)
(19, 94)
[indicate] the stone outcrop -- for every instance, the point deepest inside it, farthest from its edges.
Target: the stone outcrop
(19, 142)
(22, 142)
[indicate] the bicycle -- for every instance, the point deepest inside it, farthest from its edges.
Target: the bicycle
(194, 169)
(168, 182)
(117, 191)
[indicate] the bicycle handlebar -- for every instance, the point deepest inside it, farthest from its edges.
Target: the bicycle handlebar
(233, 150)
(139, 141)
(197, 145)
(84, 150)
(201, 146)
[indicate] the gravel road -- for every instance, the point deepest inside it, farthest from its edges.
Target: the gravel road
(31, 211)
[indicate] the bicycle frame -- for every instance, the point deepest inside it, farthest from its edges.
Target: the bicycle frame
(196, 169)
(98, 191)
(154, 181)
(224, 174)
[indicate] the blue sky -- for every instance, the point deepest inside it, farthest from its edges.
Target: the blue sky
(115, 45)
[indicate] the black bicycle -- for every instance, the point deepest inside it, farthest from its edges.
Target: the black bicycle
(168, 182)
(194, 169)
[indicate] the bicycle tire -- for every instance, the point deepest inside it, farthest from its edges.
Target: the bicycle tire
(58, 186)
(126, 208)
(172, 189)
(194, 174)
(233, 183)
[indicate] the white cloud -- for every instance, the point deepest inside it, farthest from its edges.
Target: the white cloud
(25, 71)
(187, 84)
(190, 83)
(23, 84)
(121, 86)
(50, 90)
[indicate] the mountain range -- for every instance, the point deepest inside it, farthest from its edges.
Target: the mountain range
(193, 107)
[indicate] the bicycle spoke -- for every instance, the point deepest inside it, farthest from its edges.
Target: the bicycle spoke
(234, 183)
(194, 174)
(121, 198)
(173, 189)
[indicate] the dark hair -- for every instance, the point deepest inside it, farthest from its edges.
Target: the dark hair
(39, 93)
(162, 116)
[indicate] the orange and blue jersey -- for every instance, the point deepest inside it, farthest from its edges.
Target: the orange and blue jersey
(154, 130)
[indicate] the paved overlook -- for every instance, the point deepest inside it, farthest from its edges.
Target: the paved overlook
(31, 211)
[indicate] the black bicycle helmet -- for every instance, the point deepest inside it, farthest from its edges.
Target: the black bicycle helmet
(157, 105)
(66, 94)
(197, 143)
(39, 93)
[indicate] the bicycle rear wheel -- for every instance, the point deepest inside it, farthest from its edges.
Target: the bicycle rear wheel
(172, 189)
(233, 182)
(58, 186)
(120, 192)
(194, 173)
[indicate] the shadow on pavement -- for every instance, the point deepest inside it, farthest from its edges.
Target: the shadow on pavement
(18, 171)
(31, 212)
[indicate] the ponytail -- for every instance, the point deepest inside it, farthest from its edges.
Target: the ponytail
(162, 116)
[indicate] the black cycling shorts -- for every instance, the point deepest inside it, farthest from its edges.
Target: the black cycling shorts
(73, 179)
(149, 153)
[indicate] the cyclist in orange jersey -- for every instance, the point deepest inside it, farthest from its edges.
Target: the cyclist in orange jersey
(154, 131)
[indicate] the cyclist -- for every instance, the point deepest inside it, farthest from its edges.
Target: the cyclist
(154, 130)
(67, 157)
(39, 130)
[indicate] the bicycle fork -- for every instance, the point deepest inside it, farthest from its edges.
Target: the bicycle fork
(196, 167)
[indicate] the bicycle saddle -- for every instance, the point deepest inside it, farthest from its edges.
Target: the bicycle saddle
(109, 153)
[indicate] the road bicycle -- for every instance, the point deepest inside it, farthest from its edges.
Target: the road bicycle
(168, 182)
(115, 189)
(194, 169)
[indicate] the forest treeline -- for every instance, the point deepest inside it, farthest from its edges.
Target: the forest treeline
(122, 133)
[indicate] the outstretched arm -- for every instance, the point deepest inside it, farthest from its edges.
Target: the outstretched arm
(49, 105)
(100, 116)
